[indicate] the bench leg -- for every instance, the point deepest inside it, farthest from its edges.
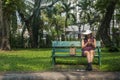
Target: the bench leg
(53, 61)
(99, 61)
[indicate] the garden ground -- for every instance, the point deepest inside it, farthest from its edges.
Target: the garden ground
(35, 64)
(78, 75)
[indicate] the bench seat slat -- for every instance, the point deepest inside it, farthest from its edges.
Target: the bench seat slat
(66, 50)
(68, 55)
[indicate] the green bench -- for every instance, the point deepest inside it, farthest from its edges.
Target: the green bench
(60, 49)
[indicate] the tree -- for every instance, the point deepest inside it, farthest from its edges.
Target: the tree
(8, 7)
(105, 24)
(33, 22)
(1, 21)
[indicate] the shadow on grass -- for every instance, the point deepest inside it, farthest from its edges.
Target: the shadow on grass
(74, 64)
(110, 62)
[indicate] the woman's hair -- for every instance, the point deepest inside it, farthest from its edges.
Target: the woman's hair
(86, 36)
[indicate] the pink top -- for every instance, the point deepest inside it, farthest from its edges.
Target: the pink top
(89, 46)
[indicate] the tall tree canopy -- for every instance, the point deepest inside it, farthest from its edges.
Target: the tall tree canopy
(103, 30)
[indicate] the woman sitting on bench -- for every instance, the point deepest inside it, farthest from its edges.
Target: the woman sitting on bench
(88, 47)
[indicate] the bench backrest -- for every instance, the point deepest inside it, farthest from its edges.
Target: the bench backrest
(69, 43)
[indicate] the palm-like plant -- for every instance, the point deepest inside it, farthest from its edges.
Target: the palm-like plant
(55, 21)
(84, 11)
(67, 10)
(87, 12)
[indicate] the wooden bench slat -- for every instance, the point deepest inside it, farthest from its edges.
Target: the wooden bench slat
(66, 50)
(65, 43)
(69, 43)
(68, 55)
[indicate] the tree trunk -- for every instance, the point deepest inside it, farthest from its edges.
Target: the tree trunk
(1, 22)
(35, 31)
(105, 24)
(35, 24)
(5, 45)
(4, 30)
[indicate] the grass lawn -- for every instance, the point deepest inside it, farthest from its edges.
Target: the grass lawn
(25, 60)
(40, 60)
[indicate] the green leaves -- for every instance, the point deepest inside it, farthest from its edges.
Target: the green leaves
(10, 6)
(7, 2)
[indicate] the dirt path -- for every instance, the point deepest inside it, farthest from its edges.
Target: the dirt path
(78, 75)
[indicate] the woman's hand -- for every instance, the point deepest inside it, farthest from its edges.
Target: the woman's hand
(89, 42)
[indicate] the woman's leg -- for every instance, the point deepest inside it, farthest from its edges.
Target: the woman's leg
(87, 54)
(91, 59)
(92, 52)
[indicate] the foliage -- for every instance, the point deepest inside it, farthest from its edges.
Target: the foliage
(67, 8)
(54, 22)
(16, 41)
(10, 6)
(51, 19)
(101, 5)
(88, 13)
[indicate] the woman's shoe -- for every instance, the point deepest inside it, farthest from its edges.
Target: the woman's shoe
(89, 67)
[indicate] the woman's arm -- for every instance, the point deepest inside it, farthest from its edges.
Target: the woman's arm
(94, 43)
(84, 44)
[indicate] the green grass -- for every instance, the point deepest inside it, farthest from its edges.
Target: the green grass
(110, 61)
(25, 60)
(40, 60)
